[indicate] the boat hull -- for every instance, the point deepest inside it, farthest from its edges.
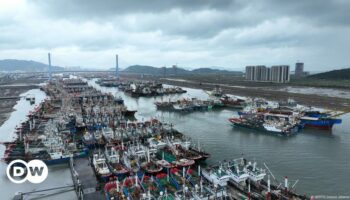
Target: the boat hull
(326, 124)
(261, 128)
(66, 159)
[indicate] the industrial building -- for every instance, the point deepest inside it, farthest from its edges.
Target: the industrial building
(299, 70)
(278, 74)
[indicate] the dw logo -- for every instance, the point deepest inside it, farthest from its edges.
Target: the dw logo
(35, 171)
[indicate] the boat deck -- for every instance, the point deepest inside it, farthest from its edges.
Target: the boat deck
(87, 179)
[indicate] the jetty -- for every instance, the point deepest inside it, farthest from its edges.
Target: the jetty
(84, 179)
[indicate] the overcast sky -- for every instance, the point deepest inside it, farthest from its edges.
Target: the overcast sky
(191, 33)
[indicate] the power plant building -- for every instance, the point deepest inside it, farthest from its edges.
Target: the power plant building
(299, 69)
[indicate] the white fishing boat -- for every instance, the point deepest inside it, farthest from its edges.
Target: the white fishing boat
(107, 133)
(183, 162)
(237, 170)
(255, 174)
(156, 143)
(101, 167)
(216, 175)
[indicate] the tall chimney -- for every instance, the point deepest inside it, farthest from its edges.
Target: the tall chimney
(116, 67)
(50, 75)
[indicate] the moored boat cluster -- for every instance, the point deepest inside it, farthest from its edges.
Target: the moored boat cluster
(131, 159)
(279, 118)
(282, 119)
(140, 88)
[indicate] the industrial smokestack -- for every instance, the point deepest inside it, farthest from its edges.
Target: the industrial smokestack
(116, 67)
(50, 75)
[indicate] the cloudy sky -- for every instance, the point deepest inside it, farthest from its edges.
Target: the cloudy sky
(192, 33)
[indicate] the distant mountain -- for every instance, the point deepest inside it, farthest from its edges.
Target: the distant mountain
(143, 69)
(214, 71)
(11, 65)
(340, 74)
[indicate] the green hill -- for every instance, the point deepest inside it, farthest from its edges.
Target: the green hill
(10, 65)
(143, 69)
(340, 74)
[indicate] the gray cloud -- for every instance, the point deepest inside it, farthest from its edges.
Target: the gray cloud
(192, 33)
(97, 9)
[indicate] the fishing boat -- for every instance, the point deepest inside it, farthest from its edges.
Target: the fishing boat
(89, 140)
(182, 107)
(148, 185)
(183, 162)
(113, 190)
(179, 90)
(165, 163)
(317, 119)
(216, 92)
(255, 174)
(164, 105)
(100, 141)
(14, 150)
(290, 103)
(277, 126)
(204, 155)
(107, 133)
(131, 188)
(232, 102)
(156, 143)
(101, 168)
(150, 166)
(119, 100)
(128, 113)
(114, 162)
(59, 156)
(237, 170)
(131, 163)
(216, 175)
(30, 98)
(189, 154)
(166, 183)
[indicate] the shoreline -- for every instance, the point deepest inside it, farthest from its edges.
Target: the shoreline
(7, 105)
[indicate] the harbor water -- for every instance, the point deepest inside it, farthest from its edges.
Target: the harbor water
(318, 159)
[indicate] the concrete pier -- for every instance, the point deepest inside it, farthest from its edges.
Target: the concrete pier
(84, 179)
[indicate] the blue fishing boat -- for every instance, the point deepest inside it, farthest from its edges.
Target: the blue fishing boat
(316, 119)
(60, 157)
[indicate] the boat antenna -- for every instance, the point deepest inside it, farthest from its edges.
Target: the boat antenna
(293, 186)
(269, 171)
